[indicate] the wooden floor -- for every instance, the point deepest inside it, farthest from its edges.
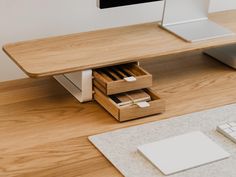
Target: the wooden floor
(44, 130)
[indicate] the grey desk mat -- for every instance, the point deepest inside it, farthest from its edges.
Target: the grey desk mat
(120, 146)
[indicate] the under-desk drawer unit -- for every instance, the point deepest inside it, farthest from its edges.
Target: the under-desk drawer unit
(121, 78)
(131, 111)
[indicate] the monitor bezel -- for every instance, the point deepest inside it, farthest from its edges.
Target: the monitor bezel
(102, 4)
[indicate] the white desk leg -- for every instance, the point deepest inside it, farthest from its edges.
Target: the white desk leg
(79, 84)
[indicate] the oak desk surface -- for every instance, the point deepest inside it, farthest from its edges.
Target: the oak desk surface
(90, 50)
(44, 130)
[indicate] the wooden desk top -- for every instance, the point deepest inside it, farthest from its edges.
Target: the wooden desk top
(44, 130)
(90, 50)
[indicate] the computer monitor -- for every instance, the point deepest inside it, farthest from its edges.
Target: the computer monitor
(187, 19)
(116, 3)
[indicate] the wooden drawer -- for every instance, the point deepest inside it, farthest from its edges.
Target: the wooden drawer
(121, 78)
(125, 113)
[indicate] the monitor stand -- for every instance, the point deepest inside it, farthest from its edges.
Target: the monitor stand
(188, 19)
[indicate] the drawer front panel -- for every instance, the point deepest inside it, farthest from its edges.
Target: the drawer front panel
(125, 113)
(122, 78)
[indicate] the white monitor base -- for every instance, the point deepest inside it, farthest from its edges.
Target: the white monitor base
(188, 19)
(198, 30)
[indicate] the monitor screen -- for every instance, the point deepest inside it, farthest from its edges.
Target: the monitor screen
(115, 3)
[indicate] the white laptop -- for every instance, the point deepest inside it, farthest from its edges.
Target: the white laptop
(182, 152)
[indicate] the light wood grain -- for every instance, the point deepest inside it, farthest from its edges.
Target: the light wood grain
(143, 80)
(89, 50)
(126, 113)
(43, 129)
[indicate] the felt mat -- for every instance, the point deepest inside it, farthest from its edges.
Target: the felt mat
(120, 146)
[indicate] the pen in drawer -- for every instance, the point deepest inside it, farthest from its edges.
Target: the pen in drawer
(121, 99)
(104, 75)
(115, 99)
(131, 70)
(123, 71)
(113, 73)
(108, 74)
(130, 98)
(120, 75)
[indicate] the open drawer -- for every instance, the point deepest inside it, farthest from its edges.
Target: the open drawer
(121, 78)
(133, 111)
